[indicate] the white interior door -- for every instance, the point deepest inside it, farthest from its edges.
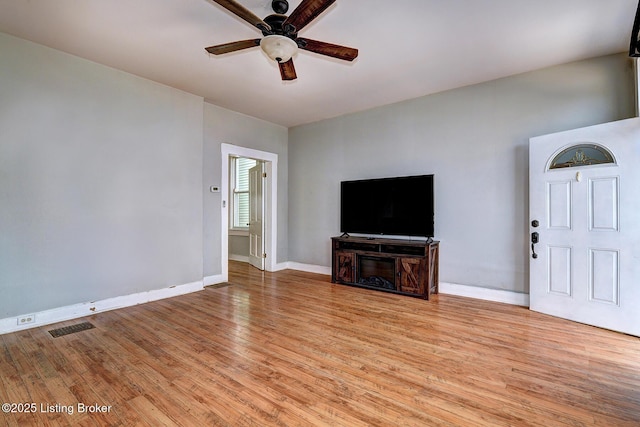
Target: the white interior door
(256, 213)
(587, 267)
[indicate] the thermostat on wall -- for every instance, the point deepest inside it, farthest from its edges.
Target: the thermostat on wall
(214, 189)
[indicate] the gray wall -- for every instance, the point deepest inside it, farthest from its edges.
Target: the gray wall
(239, 246)
(225, 126)
(475, 141)
(100, 181)
(104, 176)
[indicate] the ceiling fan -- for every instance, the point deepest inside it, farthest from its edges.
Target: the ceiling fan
(281, 41)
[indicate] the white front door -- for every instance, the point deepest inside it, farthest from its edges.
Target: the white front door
(587, 262)
(256, 212)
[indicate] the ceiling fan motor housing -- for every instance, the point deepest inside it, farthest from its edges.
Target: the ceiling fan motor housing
(276, 22)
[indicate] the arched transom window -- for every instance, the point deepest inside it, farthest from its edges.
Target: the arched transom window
(585, 154)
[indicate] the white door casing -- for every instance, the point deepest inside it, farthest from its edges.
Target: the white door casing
(256, 212)
(588, 256)
(271, 206)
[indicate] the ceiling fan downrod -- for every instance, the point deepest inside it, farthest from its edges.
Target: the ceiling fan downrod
(280, 6)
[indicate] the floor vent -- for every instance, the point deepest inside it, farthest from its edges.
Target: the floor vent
(219, 285)
(71, 329)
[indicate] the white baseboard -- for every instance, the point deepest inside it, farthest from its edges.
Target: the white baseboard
(309, 268)
(496, 295)
(277, 267)
(241, 258)
(280, 266)
(75, 311)
(213, 280)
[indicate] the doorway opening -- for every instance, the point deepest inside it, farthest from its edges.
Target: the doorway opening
(246, 211)
(267, 237)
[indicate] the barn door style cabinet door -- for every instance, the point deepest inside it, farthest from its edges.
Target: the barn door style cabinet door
(411, 275)
(344, 262)
(400, 266)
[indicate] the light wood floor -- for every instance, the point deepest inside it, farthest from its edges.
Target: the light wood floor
(290, 349)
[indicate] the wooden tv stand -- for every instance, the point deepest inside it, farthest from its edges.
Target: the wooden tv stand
(405, 267)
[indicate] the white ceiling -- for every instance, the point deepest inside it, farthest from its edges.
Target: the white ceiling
(408, 48)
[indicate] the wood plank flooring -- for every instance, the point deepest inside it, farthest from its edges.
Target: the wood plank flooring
(292, 349)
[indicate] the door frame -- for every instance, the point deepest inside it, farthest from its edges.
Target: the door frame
(271, 206)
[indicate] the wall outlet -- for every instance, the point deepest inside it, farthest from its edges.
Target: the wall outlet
(25, 320)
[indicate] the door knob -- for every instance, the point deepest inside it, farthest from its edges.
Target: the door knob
(535, 238)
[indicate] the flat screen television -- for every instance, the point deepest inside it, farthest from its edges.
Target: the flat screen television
(401, 206)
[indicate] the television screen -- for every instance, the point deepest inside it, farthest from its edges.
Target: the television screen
(402, 206)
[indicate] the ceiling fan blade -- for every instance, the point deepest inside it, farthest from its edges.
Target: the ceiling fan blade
(328, 49)
(287, 70)
(244, 13)
(306, 12)
(233, 46)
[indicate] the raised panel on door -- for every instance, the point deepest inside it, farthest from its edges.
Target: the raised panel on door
(603, 204)
(604, 276)
(559, 270)
(559, 200)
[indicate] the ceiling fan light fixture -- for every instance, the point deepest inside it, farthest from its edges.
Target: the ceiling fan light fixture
(279, 48)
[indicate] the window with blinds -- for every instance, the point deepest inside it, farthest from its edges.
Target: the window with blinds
(240, 179)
